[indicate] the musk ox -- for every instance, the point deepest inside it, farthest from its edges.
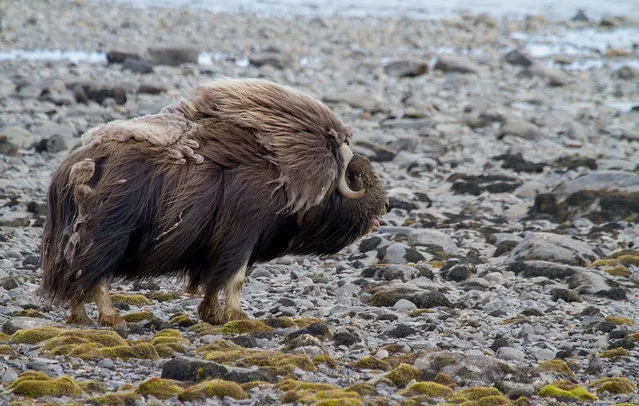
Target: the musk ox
(241, 172)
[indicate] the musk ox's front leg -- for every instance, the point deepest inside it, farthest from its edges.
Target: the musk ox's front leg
(79, 314)
(210, 309)
(107, 315)
(232, 296)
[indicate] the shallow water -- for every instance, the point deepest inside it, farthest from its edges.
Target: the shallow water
(417, 8)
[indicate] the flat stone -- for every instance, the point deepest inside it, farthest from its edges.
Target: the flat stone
(25, 323)
(459, 64)
(14, 138)
(521, 129)
(406, 68)
(172, 54)
(552, 248)
(515, 57)
(429, 237)
(193, 369)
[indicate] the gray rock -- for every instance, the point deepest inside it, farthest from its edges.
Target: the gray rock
(137, 66)
(408, 69)
(406, 123)
(117, 56)
(515, 57)
(354, 99)
(580, 16)
(598, 181)
(485, 369)
(521, 129)
(626, 73)
(14, 138)
(387, 296)
(274, 59)
(24, 323)
(172, 54)
(593, 283)
(459, 64)
(391, 272)
(429, 237)
(400, 253)
(510, 354)
(9, 375)
(106, 363)
(546, 269)
(193, 370)
(404, 305)
(551, 76)
(553, 248)
(46, 365)
(378, 153)
(515, 390)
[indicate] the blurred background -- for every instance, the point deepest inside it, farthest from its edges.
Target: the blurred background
(506, 134)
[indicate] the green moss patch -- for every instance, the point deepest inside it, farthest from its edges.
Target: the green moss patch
(396, 360)
(624, 257)
(556, 365)
(92, 386)
(620, 320)
(317, 394)
(278, 362)
(474, 394)
(116, 399)
(204, 328)
(4, 338)
(125, 352)
(130, 299)
(430, 389)
(615, 353)
(445, 380)
(371, 363)
(35, 335)
(169, 341)
(182, 320)
(137, 317)
(402, 374)
(619, 270)
(364, 389)
(7, 350)
(29, 313)
(326, 360)
(614, 385)
(160, 388)
(214, 388)
(565, 390)
(246, 326)
(39, 384)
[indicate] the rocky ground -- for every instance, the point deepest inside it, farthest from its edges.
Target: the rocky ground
(507, 270)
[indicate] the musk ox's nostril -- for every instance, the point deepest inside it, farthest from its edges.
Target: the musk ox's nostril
(387, 206)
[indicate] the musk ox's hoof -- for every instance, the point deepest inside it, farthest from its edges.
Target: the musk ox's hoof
(81, 320)
(111, 321)
(211, 314)
(231, 315)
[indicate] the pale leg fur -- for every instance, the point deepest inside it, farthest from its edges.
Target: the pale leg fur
(107, 315)
(210, 309)
(232, 296)
(79, 314)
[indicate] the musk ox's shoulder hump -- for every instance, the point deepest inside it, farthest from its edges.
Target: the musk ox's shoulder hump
(302, 134)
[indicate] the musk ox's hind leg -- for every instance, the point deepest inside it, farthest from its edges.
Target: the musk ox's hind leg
(79, 314)
(107, 315)
(210, 309)
(233, 296)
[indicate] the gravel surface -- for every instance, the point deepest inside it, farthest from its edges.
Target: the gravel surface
(507, 270)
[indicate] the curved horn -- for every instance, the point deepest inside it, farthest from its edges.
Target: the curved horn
(342, 186)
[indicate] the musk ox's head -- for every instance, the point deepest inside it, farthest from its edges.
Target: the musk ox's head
(346, 215)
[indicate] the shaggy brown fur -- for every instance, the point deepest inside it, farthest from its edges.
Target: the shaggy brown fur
(244, 171)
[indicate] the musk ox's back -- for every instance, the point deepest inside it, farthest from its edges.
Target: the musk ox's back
(243, 171)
